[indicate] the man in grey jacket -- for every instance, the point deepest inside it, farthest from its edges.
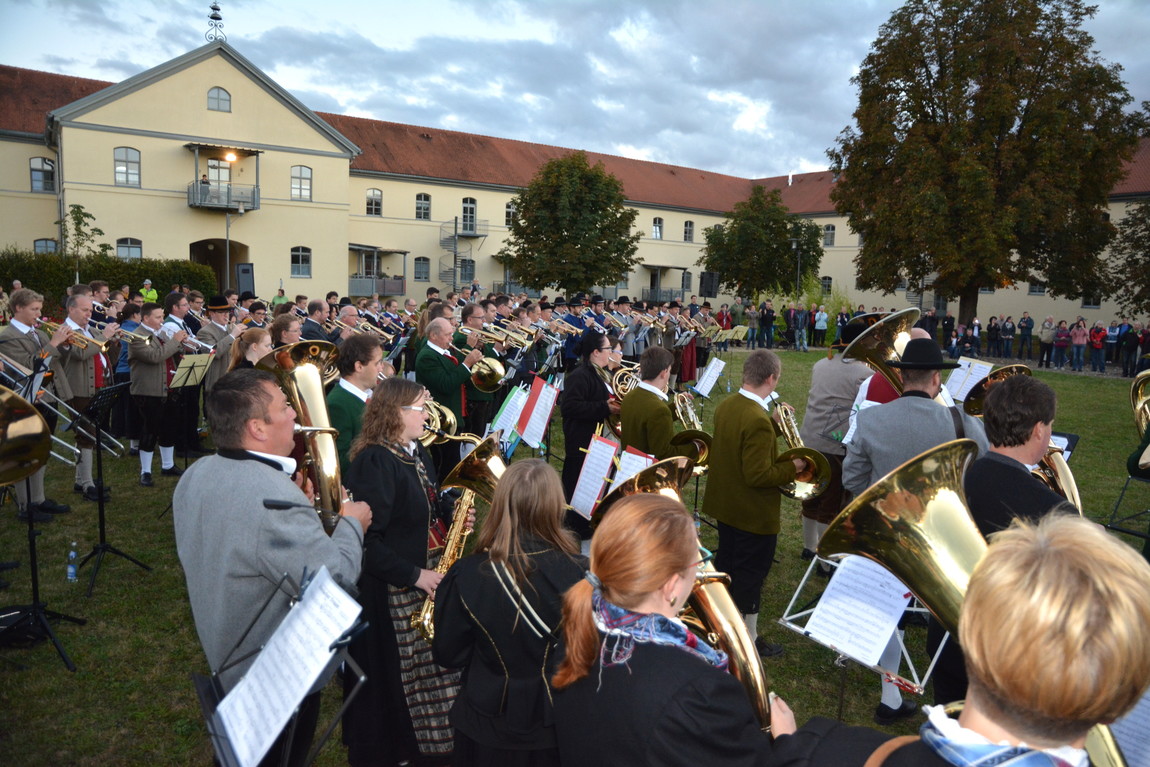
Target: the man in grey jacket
(234, 550)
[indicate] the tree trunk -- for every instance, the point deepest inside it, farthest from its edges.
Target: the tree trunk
(967, 304)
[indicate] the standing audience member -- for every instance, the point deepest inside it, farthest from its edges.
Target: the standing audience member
(1045, 341)
(1079, 337)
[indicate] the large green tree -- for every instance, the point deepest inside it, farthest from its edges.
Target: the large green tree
(761, 246)
(1130, 260)
(571, 228)
(987, 137)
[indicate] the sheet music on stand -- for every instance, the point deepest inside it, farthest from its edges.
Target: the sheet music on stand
(1067, 441)
(685, 339)
(596, 469)
(963, 378)
(191, 371)
(536, 414)
(396, 350)
(24, 382)
(710, 375)
(508, 415)
(1133, 733)
(248, 720)
(630, 463)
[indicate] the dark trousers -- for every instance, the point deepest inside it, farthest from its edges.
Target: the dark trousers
(158, 424)
(949, 676)
(1044, 353)
(1025, 347)
(769, 336)
(125, 422)
(478, 414)
(747, 558)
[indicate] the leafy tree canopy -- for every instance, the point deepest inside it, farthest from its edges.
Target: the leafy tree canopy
(754, 250)
(987, 138)
(571, 228)
(1130, 260)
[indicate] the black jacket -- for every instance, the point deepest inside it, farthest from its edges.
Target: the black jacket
(999, 489)
(826, 742)
(506, 697)
(583, 406)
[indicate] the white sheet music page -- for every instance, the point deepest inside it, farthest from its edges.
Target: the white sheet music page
(596, 468)
(710, 376)
(859, 610)
(540, 416)
(630, 463)
(976, 370)
(261, 703)
(1133, 733)
(509, 414)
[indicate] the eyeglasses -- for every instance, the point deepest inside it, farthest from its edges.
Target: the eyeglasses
(708, 556)
(413, 408)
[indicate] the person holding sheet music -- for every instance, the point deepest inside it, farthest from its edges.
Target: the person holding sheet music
(401, 713)
(497, 615)
(235, 551)
(585, 403)
(742, 492)
(1054, 623)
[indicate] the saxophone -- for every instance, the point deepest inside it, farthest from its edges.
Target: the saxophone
(424, 620)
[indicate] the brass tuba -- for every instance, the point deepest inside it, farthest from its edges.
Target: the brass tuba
(477, 474)
(299, 369)
(879, 344)
(710, 610)
(820, 468)
(1140, 401)
(916, 523)
(25, 440)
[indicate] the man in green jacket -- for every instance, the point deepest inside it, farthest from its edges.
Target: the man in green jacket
(360, 362)
(744, 477)
(479, 402)
(648, 424)
(445, 376)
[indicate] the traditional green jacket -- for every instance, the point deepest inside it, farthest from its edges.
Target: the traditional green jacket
(474, 394)
(648, 425)
(443, 378)
(345, 410)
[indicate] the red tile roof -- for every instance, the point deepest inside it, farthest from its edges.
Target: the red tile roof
(26, 97)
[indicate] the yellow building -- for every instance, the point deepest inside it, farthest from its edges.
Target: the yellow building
(204, 157)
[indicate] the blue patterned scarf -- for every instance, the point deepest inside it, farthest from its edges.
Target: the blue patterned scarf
(986, 754)
(622, 628)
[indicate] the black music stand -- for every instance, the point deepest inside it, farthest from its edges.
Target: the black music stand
(31, 622)
(97, 412)
(190, 373)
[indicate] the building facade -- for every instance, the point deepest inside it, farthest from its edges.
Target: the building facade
(205, 157)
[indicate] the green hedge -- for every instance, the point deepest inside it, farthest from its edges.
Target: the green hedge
(52, 274)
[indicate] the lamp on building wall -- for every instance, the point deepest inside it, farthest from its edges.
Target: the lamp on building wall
(230, 157)
(228, 245)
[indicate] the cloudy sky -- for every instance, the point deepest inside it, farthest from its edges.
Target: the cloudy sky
(753, 88)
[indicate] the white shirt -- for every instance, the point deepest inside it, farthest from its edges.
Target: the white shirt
(287, 463)
(363, 394)
(956, 733)
(446, 353)
(763, 402)
(20, 326)
(658, 393)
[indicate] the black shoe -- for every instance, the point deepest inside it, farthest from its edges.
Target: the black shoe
(766, 649)
(48, 506)
(133, 451)
(808, 554)
(173, 471)
(92, 492)
(37, 515)
(146, 479)
(9, 565)
(885, 715)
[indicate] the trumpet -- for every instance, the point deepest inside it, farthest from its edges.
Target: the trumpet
(194, 345)
(77, 340)
(126, 335)
(563, 327)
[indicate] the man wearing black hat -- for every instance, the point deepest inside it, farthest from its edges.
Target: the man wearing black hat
(835, 381)
(574, 318)
(887, 436)
(218, 335)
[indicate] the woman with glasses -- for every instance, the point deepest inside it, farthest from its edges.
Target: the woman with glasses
(286, 329)
(497, 615)
(401, 712)
(636, 686)
(585, 403)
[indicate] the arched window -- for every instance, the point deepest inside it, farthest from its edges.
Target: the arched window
(509, 214)
(219, 100)
(423, 269)
(129, 247)
(44, 246)
(829, 236)
(826, 283)
(300, 261)
(43, 173)
(127, 162)
(686, 279)
(423, 207)
(374, 202)
(657, 228)
(688, 231)
(470, 210)
(300, 182)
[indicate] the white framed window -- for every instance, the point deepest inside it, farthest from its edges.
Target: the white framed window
(466, 269)
(1036, 289)
(374, 202)
(219, 100)
(827, 284)
(422, 269)
(129, 247)
(219, 171)
(43, 173)
(1091, 302)
(987, 291)
(656, 228)
(470, 210)
(509, 214)
(127, 162)
(45, 246)
(300, 182)
(300, 261)
(686, 285)
(688, 231)
(423, 207)
(829, 236)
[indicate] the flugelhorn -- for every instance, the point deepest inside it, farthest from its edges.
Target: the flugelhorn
(818, 466)
(77, 339)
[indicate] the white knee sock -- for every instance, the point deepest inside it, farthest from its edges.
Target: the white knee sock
(812, 531)
(38, 486)
(891, 660)
(167, 457)
(752, 621)
(84, 468)
(145, 461)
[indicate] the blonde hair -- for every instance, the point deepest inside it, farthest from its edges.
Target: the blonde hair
(1055, 626)
(642, 541)
(245, 341)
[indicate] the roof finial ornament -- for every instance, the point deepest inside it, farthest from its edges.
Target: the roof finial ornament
(215, 25)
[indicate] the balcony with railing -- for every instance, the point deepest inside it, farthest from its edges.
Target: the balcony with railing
(219, 196)
(662, 294)
(360, 285)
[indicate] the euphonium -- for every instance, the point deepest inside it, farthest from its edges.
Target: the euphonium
(1140, 401)
(879, 344)
(819, 467)
(710, 610)
(916, 523)
(298, 367)
(486, 373)
(477, 474)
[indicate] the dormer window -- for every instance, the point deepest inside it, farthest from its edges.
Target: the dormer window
(219, 100)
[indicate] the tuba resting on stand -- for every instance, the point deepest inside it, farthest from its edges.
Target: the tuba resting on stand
(299, 369)
(711, 612)
(916, 523)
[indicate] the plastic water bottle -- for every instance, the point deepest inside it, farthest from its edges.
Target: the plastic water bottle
(72, 559)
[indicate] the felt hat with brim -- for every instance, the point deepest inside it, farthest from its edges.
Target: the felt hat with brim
(218, 304)
(622, 300)
(851, 331)
(922, 354)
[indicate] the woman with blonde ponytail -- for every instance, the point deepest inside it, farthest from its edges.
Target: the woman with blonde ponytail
(636, 686)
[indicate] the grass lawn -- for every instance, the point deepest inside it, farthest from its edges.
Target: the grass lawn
(131, 701)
